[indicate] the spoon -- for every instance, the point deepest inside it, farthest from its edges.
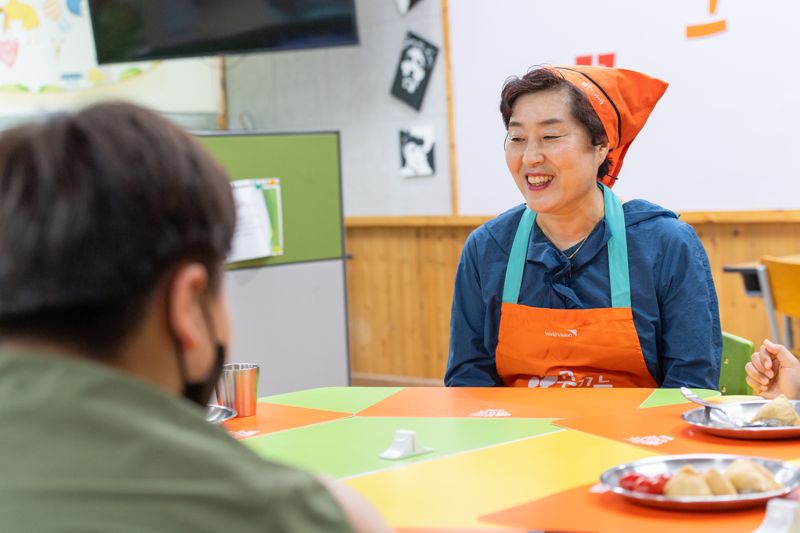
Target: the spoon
(736, 422)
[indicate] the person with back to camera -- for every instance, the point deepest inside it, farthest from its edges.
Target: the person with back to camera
(114, 226)
(576, 289)
(774, 370)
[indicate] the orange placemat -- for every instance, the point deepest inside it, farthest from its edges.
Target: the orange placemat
(661, 429)
(271, 417)
(504, 401)
(456, 530)
(579, 509)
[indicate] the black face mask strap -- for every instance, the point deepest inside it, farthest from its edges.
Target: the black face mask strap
(200, 392)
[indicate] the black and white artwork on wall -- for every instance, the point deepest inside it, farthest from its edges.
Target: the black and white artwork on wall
(405, 5)
(416, 152)
(414, 70)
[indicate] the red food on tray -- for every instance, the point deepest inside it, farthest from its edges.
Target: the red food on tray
(641, 483)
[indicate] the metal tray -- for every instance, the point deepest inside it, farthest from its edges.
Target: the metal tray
(743, 411)
(217, 414)
(785, 473)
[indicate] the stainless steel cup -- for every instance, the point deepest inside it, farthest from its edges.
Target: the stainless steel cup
(238, 388)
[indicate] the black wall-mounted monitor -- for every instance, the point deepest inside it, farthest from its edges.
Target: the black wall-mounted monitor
(141, 30)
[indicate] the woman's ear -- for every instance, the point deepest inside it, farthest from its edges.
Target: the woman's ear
(601, 152)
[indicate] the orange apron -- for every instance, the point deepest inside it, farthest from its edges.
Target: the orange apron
(571, 347)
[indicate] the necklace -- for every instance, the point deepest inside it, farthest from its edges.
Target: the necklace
(570, 256)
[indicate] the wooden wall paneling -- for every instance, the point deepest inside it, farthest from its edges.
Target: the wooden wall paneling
(739, 243)
(438, 259)
(400, 283)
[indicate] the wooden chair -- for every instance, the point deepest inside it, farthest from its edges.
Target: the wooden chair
(736, 352)
(782, 294)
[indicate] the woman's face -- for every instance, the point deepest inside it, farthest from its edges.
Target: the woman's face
(550, 154)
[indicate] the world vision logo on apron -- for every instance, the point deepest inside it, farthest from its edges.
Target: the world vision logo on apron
(567, 333)
(596, 348)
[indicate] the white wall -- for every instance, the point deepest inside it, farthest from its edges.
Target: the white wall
(348, 89)
(273, 330)
(723, 137)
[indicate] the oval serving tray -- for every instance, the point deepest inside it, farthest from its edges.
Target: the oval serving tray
(743, 411)
(784, 473)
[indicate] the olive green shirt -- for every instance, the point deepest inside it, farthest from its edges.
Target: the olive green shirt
(85, 448)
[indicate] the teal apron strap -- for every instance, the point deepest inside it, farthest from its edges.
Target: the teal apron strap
(516, 260)
(617, 251)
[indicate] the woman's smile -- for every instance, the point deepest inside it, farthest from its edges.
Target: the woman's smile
(537, 181)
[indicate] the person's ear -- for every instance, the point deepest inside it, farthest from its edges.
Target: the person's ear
(186, 314)
(601, 152)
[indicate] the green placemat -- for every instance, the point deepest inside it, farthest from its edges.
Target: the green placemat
(351, 446)
(672, 396)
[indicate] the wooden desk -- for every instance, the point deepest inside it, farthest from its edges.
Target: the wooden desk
(504, 459)
(750, 276)
(756, 284)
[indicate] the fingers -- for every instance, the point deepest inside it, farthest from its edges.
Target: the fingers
(781, 353)
(772, 347)
(754, 383)
(755, 378)
(762, 362)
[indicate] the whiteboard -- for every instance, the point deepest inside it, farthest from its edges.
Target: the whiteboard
(724, 136)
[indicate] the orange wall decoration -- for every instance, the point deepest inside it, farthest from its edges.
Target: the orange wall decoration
(709, 28)
(605, 60)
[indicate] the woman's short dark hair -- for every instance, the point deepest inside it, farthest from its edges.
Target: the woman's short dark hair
(547, 79)
(96, 208)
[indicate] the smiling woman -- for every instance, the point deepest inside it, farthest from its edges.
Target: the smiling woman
(545, 140)
(575, 289)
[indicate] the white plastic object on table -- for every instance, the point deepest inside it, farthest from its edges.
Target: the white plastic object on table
(781, 517)
(404, 445)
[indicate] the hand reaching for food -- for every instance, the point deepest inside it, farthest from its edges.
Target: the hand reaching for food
(774, 370)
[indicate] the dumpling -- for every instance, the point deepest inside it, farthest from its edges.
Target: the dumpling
(780, 409)
(719, 484)
(773, 485)
(746, 476)
(687, 482)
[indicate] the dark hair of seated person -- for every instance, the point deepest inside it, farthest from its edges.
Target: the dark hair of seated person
(96, 207)
(549, 79)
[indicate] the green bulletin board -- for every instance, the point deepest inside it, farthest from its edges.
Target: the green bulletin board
(309, 170)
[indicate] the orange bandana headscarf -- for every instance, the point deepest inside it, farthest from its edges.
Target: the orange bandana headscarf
(623, 99)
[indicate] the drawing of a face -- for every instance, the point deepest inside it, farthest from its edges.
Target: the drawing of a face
(416, 152)
(416, 157)
(412, 69)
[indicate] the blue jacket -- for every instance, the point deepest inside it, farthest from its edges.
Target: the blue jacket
(674, 303)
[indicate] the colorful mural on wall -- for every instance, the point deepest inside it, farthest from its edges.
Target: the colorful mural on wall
(47, 46)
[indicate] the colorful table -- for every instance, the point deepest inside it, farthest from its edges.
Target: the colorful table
(503, 459)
